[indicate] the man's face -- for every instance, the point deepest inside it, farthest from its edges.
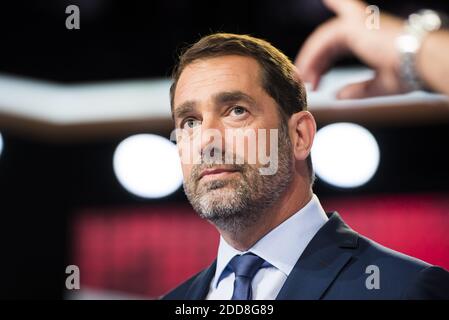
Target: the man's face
(215, 99)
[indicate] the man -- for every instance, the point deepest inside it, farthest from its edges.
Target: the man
(276, 240)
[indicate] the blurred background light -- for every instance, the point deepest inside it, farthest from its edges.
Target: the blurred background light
(345, 155)
(1, 144)
(148, 166)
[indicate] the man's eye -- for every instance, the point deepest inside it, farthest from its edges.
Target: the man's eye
(190, 123)
(238, 111)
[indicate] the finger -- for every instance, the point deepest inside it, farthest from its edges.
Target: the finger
(345, 7)
(320, 50)
(365, 89)
(357, 90)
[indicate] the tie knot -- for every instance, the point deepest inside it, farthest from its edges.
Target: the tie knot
(246, 265)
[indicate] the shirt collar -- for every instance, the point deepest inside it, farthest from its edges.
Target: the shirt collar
(283, 245)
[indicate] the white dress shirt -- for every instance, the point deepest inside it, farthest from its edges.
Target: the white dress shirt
(280, 248)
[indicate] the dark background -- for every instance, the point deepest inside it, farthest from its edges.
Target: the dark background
(42, 183)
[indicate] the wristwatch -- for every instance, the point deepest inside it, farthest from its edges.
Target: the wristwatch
(417, 26)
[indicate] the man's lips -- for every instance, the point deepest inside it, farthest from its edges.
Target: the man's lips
(216, 171)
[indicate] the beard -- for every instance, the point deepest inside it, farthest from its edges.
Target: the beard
(235, 203)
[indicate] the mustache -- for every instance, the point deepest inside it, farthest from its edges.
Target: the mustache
(199, 168)
(210, 160)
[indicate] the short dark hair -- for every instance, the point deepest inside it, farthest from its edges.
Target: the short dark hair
(277, 70)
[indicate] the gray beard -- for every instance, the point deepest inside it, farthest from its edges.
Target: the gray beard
(234, 205)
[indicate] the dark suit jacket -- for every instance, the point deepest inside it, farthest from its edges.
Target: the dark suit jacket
(334, 266)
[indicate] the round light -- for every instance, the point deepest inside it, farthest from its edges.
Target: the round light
(148, 166)
(345, 155)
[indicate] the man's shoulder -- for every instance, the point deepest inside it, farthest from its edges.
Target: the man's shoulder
(400, 276)
(373, 252)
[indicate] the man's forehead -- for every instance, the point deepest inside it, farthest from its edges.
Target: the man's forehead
(222, 97)
(209, 77)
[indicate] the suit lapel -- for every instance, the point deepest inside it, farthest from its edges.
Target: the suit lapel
(325, 256)
(200, 286)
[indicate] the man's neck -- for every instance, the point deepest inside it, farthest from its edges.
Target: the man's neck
(286, 206)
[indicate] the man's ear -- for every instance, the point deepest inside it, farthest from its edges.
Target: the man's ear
(302, 128)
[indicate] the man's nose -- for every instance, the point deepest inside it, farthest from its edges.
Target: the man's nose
(212, 137)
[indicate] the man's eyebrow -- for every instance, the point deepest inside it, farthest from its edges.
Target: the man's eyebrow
(220, 98)
(184, 109)
(233, 96)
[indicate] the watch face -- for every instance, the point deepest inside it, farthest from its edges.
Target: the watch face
(430, 20)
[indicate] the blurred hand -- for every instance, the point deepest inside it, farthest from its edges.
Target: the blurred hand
(348, 33)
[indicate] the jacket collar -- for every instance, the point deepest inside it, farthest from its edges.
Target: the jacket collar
(325, 256)
(201, 284)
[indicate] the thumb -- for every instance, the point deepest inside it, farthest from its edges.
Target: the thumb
(344, 7)
(384, 83)
(359, 90)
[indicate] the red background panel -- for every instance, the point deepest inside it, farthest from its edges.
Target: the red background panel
(150, 249)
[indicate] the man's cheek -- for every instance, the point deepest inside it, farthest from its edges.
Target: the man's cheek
(186, 171)
(241, 146)
(184, 153)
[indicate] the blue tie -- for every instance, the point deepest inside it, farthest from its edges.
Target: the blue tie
(245, 268)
